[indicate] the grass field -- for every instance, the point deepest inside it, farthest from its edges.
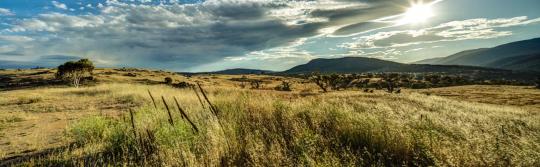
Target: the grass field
(455, 126)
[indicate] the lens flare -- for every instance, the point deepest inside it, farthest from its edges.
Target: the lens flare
(417, 13)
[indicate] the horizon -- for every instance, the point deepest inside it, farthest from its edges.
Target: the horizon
(207, 36)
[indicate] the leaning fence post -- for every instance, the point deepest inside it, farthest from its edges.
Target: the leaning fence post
(185, 115)
(152, 97)
(212, 108)
(198, 97)
(133, 123)
(171, 121)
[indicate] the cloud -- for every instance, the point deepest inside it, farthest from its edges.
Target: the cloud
(452, 31)
(6, 12)
(59, 5)
(55, 60)
(181, 36)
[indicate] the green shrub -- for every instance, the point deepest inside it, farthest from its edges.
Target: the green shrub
(90, 130)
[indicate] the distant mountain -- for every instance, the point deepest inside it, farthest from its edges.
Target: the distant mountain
(521, 63)
(520, 55)
(241, 71)
(429, 61)
(4, 64)
(362, 65)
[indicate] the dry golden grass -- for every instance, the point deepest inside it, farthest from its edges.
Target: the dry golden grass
(269, 128)
(264, 127)
(491, 94)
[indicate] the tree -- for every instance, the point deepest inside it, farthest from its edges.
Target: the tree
(168, 80)
(537, 83)
(74, 71)
(321, 81)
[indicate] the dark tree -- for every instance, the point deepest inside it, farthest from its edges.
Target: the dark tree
(537, 83)
(168, 80)
(75, 71)
(321, 81)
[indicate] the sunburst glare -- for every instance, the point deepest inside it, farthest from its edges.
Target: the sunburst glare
(417, 13)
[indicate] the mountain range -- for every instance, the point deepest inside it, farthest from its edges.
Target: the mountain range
(520, 56)
(362, 65)
(239, 71)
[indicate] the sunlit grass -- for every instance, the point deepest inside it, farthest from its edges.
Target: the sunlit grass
(252, 127)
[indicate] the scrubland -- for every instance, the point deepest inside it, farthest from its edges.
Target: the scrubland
(93, 126)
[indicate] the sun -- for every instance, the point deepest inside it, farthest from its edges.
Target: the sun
(417, 13)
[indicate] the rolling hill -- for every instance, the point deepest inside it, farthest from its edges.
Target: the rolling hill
(362, 64)
(241, 71)
(521, 55)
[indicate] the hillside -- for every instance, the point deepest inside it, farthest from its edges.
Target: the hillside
(454, 57)
(362, 65)
(521, 63)
(345, 65)
(4, 64)
(520, 54)
(241, 71)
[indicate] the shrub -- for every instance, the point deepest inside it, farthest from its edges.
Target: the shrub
(130, 75)
(255, 84)
(285, 86)
(182, 85)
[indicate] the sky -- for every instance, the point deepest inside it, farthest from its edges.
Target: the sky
(211, 35)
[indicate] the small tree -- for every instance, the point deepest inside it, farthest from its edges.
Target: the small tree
(168, 80)
(74, 71)
(537, 83)
(321, 81)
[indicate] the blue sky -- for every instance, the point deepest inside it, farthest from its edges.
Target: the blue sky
(271, 34)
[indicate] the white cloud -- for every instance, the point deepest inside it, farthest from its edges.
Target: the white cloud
(452, 31)
(6, 12)
(180, 36)
(59, 5)
(15, 38)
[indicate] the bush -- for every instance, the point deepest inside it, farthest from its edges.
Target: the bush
(285, 86)
(130, 75)
(182, 85)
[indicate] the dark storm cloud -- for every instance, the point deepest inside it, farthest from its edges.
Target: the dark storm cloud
(183, 36)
